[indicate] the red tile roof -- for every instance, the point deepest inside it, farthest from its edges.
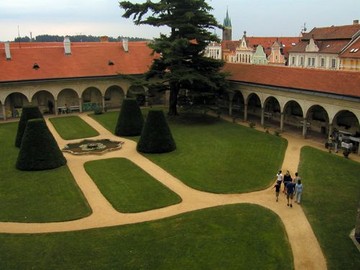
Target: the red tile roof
(335, 82)
(86, 60)
(333, 32)
(325, 46)
(353, 51)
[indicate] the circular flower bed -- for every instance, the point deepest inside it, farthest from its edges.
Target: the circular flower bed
(92, 147)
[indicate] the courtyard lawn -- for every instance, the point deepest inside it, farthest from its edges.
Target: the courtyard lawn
(127, 187)
(331, 197)
(73, 127)
(216, 156)
(37, 196)
(227, 237)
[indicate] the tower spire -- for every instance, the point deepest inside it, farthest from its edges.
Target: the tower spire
(227, 29)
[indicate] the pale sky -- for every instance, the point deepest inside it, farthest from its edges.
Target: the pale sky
(104, 17)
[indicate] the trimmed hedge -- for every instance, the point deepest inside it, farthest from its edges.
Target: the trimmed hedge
(39, 150)
(28, 112)
(130, 121)
(156, 136)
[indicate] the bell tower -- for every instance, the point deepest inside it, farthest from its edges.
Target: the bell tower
(227, 30)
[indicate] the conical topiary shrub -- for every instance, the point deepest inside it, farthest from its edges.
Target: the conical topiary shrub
(130, 121)
(156, 136)
(39, 150)
(28, 112)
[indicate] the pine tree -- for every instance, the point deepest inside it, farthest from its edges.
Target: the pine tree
(28, 112)
(156, 136)
(182, 64)
(130, 121)
(39, 150)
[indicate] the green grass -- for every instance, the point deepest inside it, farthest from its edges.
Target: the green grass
(228, 237)
(216, 156)
(73, 127)
(330, 200)
(108, 120)
(127, 187)
(37, 196)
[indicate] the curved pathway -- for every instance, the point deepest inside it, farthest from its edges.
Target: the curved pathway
(305, 247)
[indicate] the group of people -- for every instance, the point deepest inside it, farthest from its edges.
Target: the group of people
(292, 187)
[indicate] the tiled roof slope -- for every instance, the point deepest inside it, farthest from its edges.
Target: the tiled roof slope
(333, 32)
(353, 51)
(327, 81)
(86, 60)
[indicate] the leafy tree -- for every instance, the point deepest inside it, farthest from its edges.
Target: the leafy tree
(156, 136)
(28, 112)
(181, 64)
(130, 121)
(39, 150)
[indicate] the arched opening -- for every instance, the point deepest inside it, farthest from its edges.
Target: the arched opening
(293, 116)
(14, 104)
(272, 112)
(137, 92)
(319, 121)
(346, 124)
(45, 101)
(92, 99)
(67, 99)
(114, 96)
(254, 108)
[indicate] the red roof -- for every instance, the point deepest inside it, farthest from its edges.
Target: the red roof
(353, 51)
(345, 83)
(92, 59)
(252, 42)
(333, 32)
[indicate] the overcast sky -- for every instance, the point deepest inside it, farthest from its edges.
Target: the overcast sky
(103, 17)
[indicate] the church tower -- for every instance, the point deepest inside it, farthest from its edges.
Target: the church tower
(227, 30)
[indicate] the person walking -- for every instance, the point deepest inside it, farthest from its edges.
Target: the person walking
(277, 191)
(290, 189)
(279, 177)
(287, 179)
(298, 191)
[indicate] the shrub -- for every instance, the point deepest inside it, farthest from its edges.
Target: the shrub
(39, 150)
(28, 112)
(156, 136)
(130, 121)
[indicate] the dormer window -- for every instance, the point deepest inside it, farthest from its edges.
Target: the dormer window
(111, 63)
(36, 66)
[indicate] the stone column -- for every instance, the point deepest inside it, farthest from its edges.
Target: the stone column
(304, 130)
(56, 107)
(245, 112)
(282, 121)
(4, 111)
(80, 104)
(262, 116)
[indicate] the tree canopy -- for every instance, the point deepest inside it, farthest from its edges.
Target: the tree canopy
(181, 64)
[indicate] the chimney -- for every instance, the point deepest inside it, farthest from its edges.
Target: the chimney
(67, 45)
(125, 43)
(7, 50)
(355, 21)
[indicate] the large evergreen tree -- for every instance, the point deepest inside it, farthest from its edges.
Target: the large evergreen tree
(181, 63)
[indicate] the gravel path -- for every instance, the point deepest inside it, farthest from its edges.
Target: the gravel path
(305, 247)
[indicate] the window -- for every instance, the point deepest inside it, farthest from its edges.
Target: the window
(311, 61)
(301, 61)
(293, 60)
(333, 63)
(322, 62)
